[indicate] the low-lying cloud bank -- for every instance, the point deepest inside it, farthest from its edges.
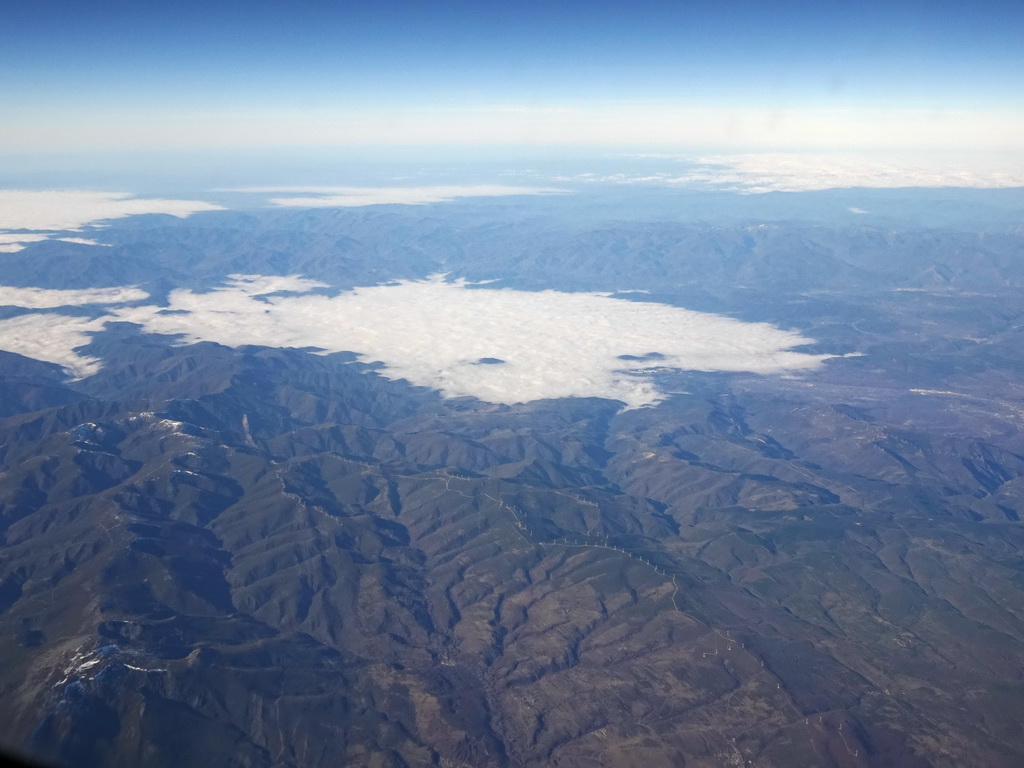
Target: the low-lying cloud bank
(498, 345)
(12, 242)
(352, 197)
(39, 298)
(53, 338)
(72, 209)
(779, 172)
(797, 173)
(46, 212)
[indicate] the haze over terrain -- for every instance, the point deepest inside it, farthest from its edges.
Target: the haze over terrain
(510, 385)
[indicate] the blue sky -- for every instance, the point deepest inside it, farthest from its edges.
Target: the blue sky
(102, 74)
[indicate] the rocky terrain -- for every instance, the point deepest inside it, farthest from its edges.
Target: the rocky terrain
(267, 557)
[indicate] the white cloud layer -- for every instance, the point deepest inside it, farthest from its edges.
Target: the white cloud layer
(498, 345)
(72, 209)
(47, 298)
(17, 239)
(350, 197)
(12, 243)
(53, 338)
(82, 241)
(263, 285)
(48, 211)
(796, 173)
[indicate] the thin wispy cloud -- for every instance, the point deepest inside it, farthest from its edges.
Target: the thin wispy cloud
(350, 197)
(498, 345)
(14, 242)
(82, 241)
(756, 173)
(777, 172)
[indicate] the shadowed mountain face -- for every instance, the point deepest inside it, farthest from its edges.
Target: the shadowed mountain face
(267, 557)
